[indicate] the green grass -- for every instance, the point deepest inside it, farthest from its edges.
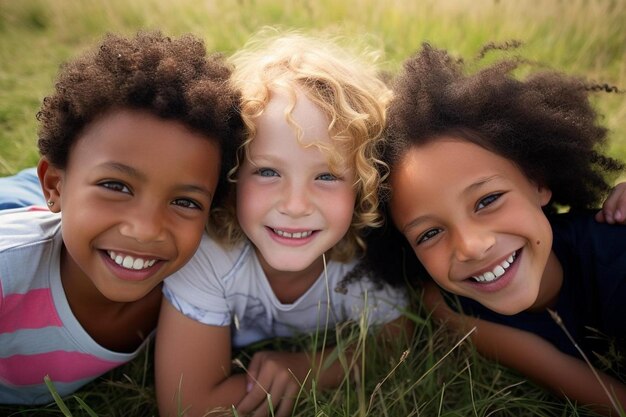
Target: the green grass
(585, 37)
(440, 374)
(437, 377)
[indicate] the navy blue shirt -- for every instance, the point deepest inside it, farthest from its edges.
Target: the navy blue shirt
(593, 294)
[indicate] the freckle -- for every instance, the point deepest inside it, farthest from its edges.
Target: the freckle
(539, 242)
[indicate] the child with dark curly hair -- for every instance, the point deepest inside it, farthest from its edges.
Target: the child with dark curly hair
(134, 141)
(479, 164)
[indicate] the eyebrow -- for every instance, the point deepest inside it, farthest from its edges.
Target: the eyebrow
(278, 159)
(479, 183)
(472, 187)
(125, 169)
(135, 173)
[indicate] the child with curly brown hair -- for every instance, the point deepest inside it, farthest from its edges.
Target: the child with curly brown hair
(133, 144)
(282, 258)
(479, 164)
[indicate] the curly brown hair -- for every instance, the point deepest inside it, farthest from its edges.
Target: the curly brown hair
(173, 79)
(544, 123)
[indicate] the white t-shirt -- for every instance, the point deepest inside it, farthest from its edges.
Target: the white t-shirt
(227, 287)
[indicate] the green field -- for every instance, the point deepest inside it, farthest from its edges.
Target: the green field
(580, 36)
(437, 377)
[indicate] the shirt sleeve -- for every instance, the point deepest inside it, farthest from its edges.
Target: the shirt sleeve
(380, 303)
(197, 290)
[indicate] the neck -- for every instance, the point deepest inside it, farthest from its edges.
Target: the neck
(115, 325)
(550, 287)
(289, 286)
(80, 291)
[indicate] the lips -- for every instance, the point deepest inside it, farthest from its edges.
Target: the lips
(497, 271)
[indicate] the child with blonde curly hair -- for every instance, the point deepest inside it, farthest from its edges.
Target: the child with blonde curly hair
(281, 258)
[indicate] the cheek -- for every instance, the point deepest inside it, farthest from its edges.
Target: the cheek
(436, 265)
(543, 237)
(188, 242)
(249, 202)
(344, 207)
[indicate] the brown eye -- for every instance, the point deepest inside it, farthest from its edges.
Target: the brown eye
(427, 235)
(187, 203)
(115, 186)
(486, 201)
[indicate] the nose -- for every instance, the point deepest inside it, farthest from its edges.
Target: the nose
(472, 242)
(145, 223)
(295, 200)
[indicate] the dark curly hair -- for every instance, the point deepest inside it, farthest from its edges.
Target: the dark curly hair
(544, 123)
(171, 78)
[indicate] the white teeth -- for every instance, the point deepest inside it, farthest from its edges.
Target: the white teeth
(296, 235)
(129, 262)
(489, 276)
(497, 272)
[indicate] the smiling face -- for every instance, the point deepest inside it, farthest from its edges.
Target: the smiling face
(476, 223)
(290, 204)
(134, 199)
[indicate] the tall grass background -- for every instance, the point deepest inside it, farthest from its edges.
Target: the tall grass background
(440, 375)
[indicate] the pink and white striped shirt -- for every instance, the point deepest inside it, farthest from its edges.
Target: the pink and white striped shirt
(39, 335)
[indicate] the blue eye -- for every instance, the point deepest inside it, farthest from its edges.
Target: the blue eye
(115, 186)
(187, 203)
(427, 235)
(266, 172)
(327, 177)
(488, 200)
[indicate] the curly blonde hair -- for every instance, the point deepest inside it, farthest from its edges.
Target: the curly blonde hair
(346, 89)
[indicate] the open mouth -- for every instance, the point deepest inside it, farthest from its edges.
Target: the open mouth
(497, 271)
(131, 262)
(294, 235)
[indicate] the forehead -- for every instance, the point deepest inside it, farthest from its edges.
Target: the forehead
(138, 138)
(293, 114)
(448, 165)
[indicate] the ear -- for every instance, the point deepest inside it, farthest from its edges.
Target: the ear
(544, 194)
(51, 179)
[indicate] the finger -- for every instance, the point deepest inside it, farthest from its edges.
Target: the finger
(276, 392)
(619, 214)
(608, 208)
(253, 371)
(253, 400)
(263, 407)
(285, 408)
(272, 398)
(600, 217)
(614, 208)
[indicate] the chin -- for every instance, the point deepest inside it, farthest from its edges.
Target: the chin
(510, 309)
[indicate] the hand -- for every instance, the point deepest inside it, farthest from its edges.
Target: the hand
(278, 374)
(614, 208)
